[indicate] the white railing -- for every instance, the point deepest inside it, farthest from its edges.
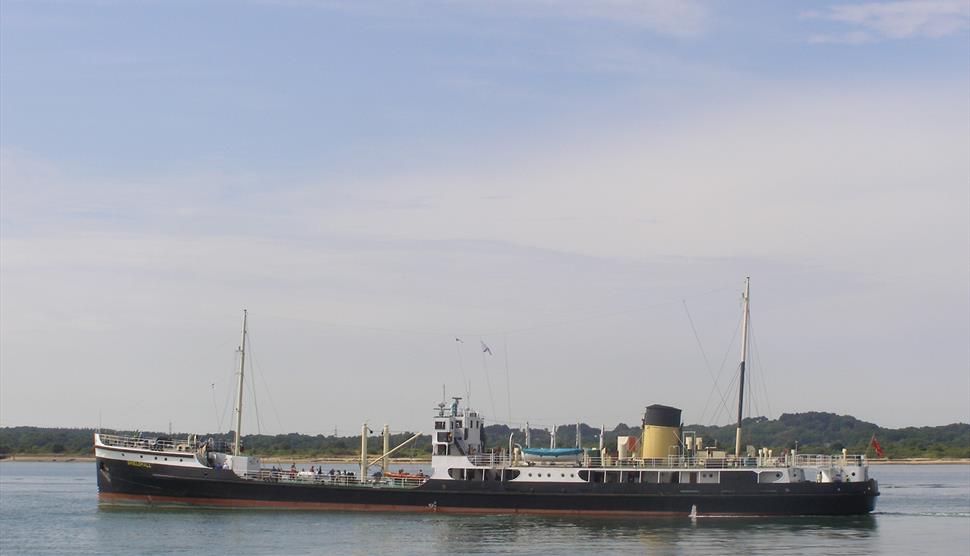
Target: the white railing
(337, 479)
(819, 460)
(682, 462)
(676, 462)
(490, 459)
(154, 444)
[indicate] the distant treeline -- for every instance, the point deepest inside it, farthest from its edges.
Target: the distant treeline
(815, 432)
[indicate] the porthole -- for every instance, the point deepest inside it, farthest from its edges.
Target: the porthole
(530, 474)
(548, 474)
(140, 457)
(562, 474)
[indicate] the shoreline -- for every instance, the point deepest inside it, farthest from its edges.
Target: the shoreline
(51, 458)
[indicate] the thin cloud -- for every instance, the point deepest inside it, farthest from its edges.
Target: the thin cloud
(685, 18)
(893, 20)
(852, 37)
(681, 19)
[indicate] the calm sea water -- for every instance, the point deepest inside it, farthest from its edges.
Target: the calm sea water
(51, 508)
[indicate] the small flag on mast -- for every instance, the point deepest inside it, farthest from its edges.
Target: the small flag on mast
(486, 349)
(875, 445)
(457, 339)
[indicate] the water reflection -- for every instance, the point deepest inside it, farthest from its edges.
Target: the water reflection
(565, 535)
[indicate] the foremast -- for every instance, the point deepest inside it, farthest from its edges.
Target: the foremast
(744, 360)
(239, 390)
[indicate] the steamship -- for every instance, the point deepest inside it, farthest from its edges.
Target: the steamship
(664, 471)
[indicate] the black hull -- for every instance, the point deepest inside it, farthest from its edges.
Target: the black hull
(164, 486)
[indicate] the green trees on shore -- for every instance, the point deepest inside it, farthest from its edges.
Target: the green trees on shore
(815, 432)
(818, 432)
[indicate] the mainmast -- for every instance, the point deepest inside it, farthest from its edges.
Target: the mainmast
(744, 359)
(239, 391)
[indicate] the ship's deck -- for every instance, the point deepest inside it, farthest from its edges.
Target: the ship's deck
(337, 479)
(677, 463)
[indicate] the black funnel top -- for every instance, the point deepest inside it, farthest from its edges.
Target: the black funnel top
(661, 416)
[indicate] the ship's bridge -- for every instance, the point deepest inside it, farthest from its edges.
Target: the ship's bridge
(457, 431)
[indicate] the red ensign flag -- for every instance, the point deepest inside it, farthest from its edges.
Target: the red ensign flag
(877, 447)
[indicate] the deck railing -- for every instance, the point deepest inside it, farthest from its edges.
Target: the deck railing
(495, 459)
(683, 462)
(490, 459)
(155, 444)
(819, 460)
(338, 479)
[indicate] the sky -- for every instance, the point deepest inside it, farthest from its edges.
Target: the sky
(387, 186)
